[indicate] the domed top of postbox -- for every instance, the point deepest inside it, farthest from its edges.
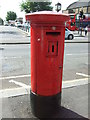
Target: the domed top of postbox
(47, 17)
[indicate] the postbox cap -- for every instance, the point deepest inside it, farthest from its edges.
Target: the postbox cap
(47, 17)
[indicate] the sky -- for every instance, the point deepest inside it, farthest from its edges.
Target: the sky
(14, 5)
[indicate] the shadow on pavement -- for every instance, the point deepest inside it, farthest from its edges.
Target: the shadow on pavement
(20, 108)
(64, 113)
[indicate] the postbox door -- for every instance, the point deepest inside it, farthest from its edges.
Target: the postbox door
(50, 63)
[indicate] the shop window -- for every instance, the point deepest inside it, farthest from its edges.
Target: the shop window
(88, 9)
(84, 9)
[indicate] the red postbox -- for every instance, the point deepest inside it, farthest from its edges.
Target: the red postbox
(47, 50)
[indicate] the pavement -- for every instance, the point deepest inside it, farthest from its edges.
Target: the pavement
(77, 38)
(75, 98)
(74, 105)
(14, 37)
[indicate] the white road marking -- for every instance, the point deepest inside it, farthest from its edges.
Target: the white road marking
(14, 92)
(10, 57)
(13, 77)
(73, 83)
(82, 74)
(19, 83)
(68, 54)
(78, 54)
(26, 88)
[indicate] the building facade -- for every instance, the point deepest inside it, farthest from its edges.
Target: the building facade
(76, 7)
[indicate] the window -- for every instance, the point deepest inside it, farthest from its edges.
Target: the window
(88, 9)
(72, 16)
(76, 11)
(72, 23)
(71, 11)
(84, 9)
(80, 9)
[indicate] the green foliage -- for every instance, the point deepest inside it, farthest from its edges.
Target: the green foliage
(11, 15)
(1, 21)
(29, 6)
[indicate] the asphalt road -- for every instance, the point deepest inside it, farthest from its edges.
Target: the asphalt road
(16, 62)
(15, 77)
(74, 105)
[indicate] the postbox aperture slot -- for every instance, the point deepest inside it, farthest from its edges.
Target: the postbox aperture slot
(53, 33)
(52, 48)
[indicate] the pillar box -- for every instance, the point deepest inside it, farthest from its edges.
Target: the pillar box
(47, 51)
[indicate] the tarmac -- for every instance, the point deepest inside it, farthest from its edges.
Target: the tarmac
(77, 38)
(74, 105)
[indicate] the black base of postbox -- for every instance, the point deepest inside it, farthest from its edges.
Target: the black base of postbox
(45, 106)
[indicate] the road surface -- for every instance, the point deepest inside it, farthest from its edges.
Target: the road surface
(16, 64)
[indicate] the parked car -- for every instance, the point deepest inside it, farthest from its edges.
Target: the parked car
(68, 34)
(11, 24)
(18, 24)
(6, 23)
